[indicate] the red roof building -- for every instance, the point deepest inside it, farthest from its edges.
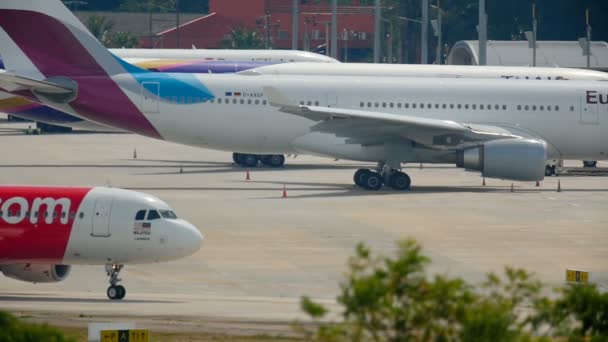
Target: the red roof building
(273, 18)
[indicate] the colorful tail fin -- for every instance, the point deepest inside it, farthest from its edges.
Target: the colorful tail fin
(42, 40)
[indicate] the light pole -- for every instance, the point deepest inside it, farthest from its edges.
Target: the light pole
(345, 36)
(334, 29)
(389, 41)
(438, 33)
(482, 30)
(295, 25)
(534, 23)
(588, 39)
(425, 32)
(377, 17)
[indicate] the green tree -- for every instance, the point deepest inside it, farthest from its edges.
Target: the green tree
(13, 330)
(100, 27)
(243, 38)
(393, 299)
(123, 39)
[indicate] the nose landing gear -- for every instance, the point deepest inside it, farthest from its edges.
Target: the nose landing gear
(115, 292)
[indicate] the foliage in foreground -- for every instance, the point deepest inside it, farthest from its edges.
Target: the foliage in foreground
(13, 330)
(393, 299)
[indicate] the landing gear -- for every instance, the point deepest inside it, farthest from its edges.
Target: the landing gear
(400, 181)
(371, 180)
(589, 163)
(252, 160)
(115, 292)
(550, 170)
(273, 160)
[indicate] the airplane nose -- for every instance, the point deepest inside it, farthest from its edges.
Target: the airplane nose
(191, 239)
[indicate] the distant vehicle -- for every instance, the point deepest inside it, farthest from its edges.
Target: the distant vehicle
(505, 129)
(44, 230)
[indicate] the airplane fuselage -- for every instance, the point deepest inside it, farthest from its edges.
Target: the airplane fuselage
(565, 114)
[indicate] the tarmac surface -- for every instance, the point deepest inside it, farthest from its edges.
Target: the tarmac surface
(262, 252)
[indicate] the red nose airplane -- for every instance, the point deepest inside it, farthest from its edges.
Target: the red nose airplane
(44, 230)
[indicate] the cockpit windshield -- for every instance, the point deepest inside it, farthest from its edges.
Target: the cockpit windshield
(168, 214)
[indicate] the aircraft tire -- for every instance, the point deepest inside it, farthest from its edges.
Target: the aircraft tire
(373, 181)
(237, 158)
(275, 160)
(361, 176)
(122, 291)
(400, 181)
(250, 160)
(113, 292)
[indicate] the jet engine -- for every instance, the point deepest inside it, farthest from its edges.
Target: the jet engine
(36, 273)
(513, 159)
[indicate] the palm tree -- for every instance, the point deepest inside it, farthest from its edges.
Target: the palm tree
(100, 27)
(243, 38)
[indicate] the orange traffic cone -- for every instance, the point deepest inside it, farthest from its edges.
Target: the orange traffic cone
(247, 176)
(135, 154)
(537, 184)
(484, 182)
(284, 191)
(512, 188)
(559, 186)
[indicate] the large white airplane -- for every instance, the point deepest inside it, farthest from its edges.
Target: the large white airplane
(276, 56)
(44, 230)
(428, 70)
(503, 128)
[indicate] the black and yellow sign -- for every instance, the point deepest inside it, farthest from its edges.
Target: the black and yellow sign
(124, 336)
(574, 276)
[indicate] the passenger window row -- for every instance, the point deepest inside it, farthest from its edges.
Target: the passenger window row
(422, 105)
(193, 100)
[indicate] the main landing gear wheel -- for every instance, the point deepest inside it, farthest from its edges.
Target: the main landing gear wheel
(400, 181)
(361, 177)
(371, 180)
(273, 160)
(115, 291)
(549, 170)
(237, 158)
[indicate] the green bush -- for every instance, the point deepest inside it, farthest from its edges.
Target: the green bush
(13, 330)
(393, 299)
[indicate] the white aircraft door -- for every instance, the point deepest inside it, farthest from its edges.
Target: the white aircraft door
(589, 113)
(101, 217)
(150, 92)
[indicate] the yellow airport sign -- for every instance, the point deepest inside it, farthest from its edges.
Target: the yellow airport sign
(576, 276)
(138, 335)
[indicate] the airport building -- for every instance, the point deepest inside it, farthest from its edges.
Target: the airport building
(565, 54)
(274, 18)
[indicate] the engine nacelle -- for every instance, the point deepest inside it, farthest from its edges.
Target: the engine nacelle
(36, 273)
(513, 159)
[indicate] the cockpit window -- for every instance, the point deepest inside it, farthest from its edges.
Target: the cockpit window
(168, 214)
(140, 215)
(153, 215)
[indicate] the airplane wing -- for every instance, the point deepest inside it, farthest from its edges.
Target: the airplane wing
(58, 90)
(369, 127)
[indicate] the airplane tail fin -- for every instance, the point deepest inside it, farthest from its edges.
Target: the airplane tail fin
(43, 39)
(46, 50)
